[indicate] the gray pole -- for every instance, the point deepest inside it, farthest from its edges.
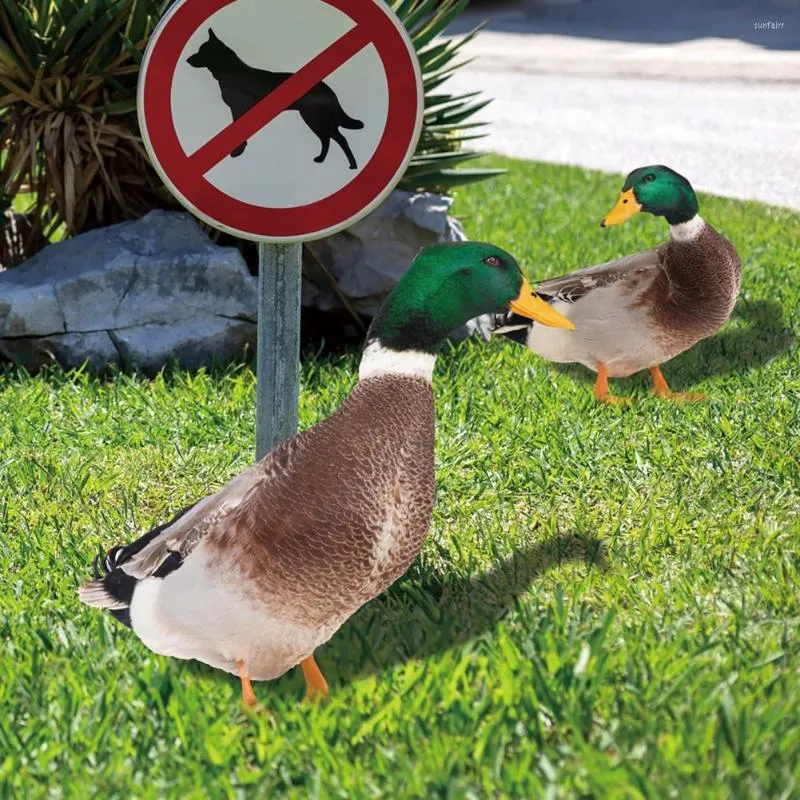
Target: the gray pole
(278, 354)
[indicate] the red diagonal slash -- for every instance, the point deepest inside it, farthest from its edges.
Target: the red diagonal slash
(266, 109)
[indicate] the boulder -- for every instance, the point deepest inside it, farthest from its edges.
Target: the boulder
(369, 257)
(192, 343)
(155, 290)
(95, 350)
(137, 294)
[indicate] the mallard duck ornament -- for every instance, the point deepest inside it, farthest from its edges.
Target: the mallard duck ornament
(253, 579)
(639, 311)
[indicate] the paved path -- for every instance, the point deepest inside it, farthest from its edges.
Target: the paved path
(724, 112)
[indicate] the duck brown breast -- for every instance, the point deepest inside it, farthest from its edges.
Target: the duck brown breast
(343, 508)
(693, 295)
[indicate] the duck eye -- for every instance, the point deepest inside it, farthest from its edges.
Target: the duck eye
(650, 177)
(491, 261)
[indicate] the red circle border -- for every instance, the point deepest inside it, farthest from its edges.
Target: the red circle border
(320, 217)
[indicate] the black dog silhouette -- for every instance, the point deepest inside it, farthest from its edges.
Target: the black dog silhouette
(242, 86)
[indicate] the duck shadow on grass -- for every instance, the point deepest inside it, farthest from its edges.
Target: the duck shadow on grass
(733, 351)
(423, 615)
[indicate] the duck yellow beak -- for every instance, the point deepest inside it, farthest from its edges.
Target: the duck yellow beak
(530, 305)
(625, 208)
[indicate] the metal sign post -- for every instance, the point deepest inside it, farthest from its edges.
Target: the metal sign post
(278, 354)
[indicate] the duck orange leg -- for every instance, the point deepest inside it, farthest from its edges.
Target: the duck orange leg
(661, 389)
(601, 387)
(248, 695)
(316, 685)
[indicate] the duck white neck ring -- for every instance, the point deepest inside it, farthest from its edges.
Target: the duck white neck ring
(686, 231)
(380, 360)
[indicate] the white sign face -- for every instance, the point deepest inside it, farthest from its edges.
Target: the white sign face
(280, 121)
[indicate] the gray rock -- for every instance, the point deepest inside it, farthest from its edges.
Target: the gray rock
(137, 294)
(370, 257)
(193, 343)
(155, 269)
(28, 310)
(70, 350)
(156, 290)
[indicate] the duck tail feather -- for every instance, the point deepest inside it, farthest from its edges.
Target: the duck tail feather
(94, 593)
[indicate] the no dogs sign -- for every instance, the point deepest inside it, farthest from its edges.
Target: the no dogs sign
(280, 121)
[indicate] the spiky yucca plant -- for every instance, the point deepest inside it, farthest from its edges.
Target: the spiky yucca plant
(68, 130)
(68, 127)
(448, 121)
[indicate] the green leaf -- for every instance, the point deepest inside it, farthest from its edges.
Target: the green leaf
(455, 114)
(9, 62)
(447, 100)
(403, 8)
(461, 127)
(445, 179)
(418, 18)
(439, 23)
(426, 159)
(71, 29)
(119, 107)
(97, 36)
(139, 20)
(18, 31)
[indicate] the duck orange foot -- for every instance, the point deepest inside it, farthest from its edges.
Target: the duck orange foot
(248, 695)
(316, 685)
(661, 389)
(601, 392)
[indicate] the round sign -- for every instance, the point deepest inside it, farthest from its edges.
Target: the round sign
(280, 121)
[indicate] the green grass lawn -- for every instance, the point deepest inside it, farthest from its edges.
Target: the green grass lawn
(607, 605)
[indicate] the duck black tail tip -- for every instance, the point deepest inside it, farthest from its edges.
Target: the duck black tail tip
(95, 594)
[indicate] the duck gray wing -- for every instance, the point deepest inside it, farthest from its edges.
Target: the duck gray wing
(163, 549)
(572, 287)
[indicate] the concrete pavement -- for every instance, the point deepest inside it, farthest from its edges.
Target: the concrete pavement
(723, 111)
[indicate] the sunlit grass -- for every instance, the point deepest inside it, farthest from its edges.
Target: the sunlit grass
(607, 604)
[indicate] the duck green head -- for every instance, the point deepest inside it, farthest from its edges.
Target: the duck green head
(657, 190)
(449, 284)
